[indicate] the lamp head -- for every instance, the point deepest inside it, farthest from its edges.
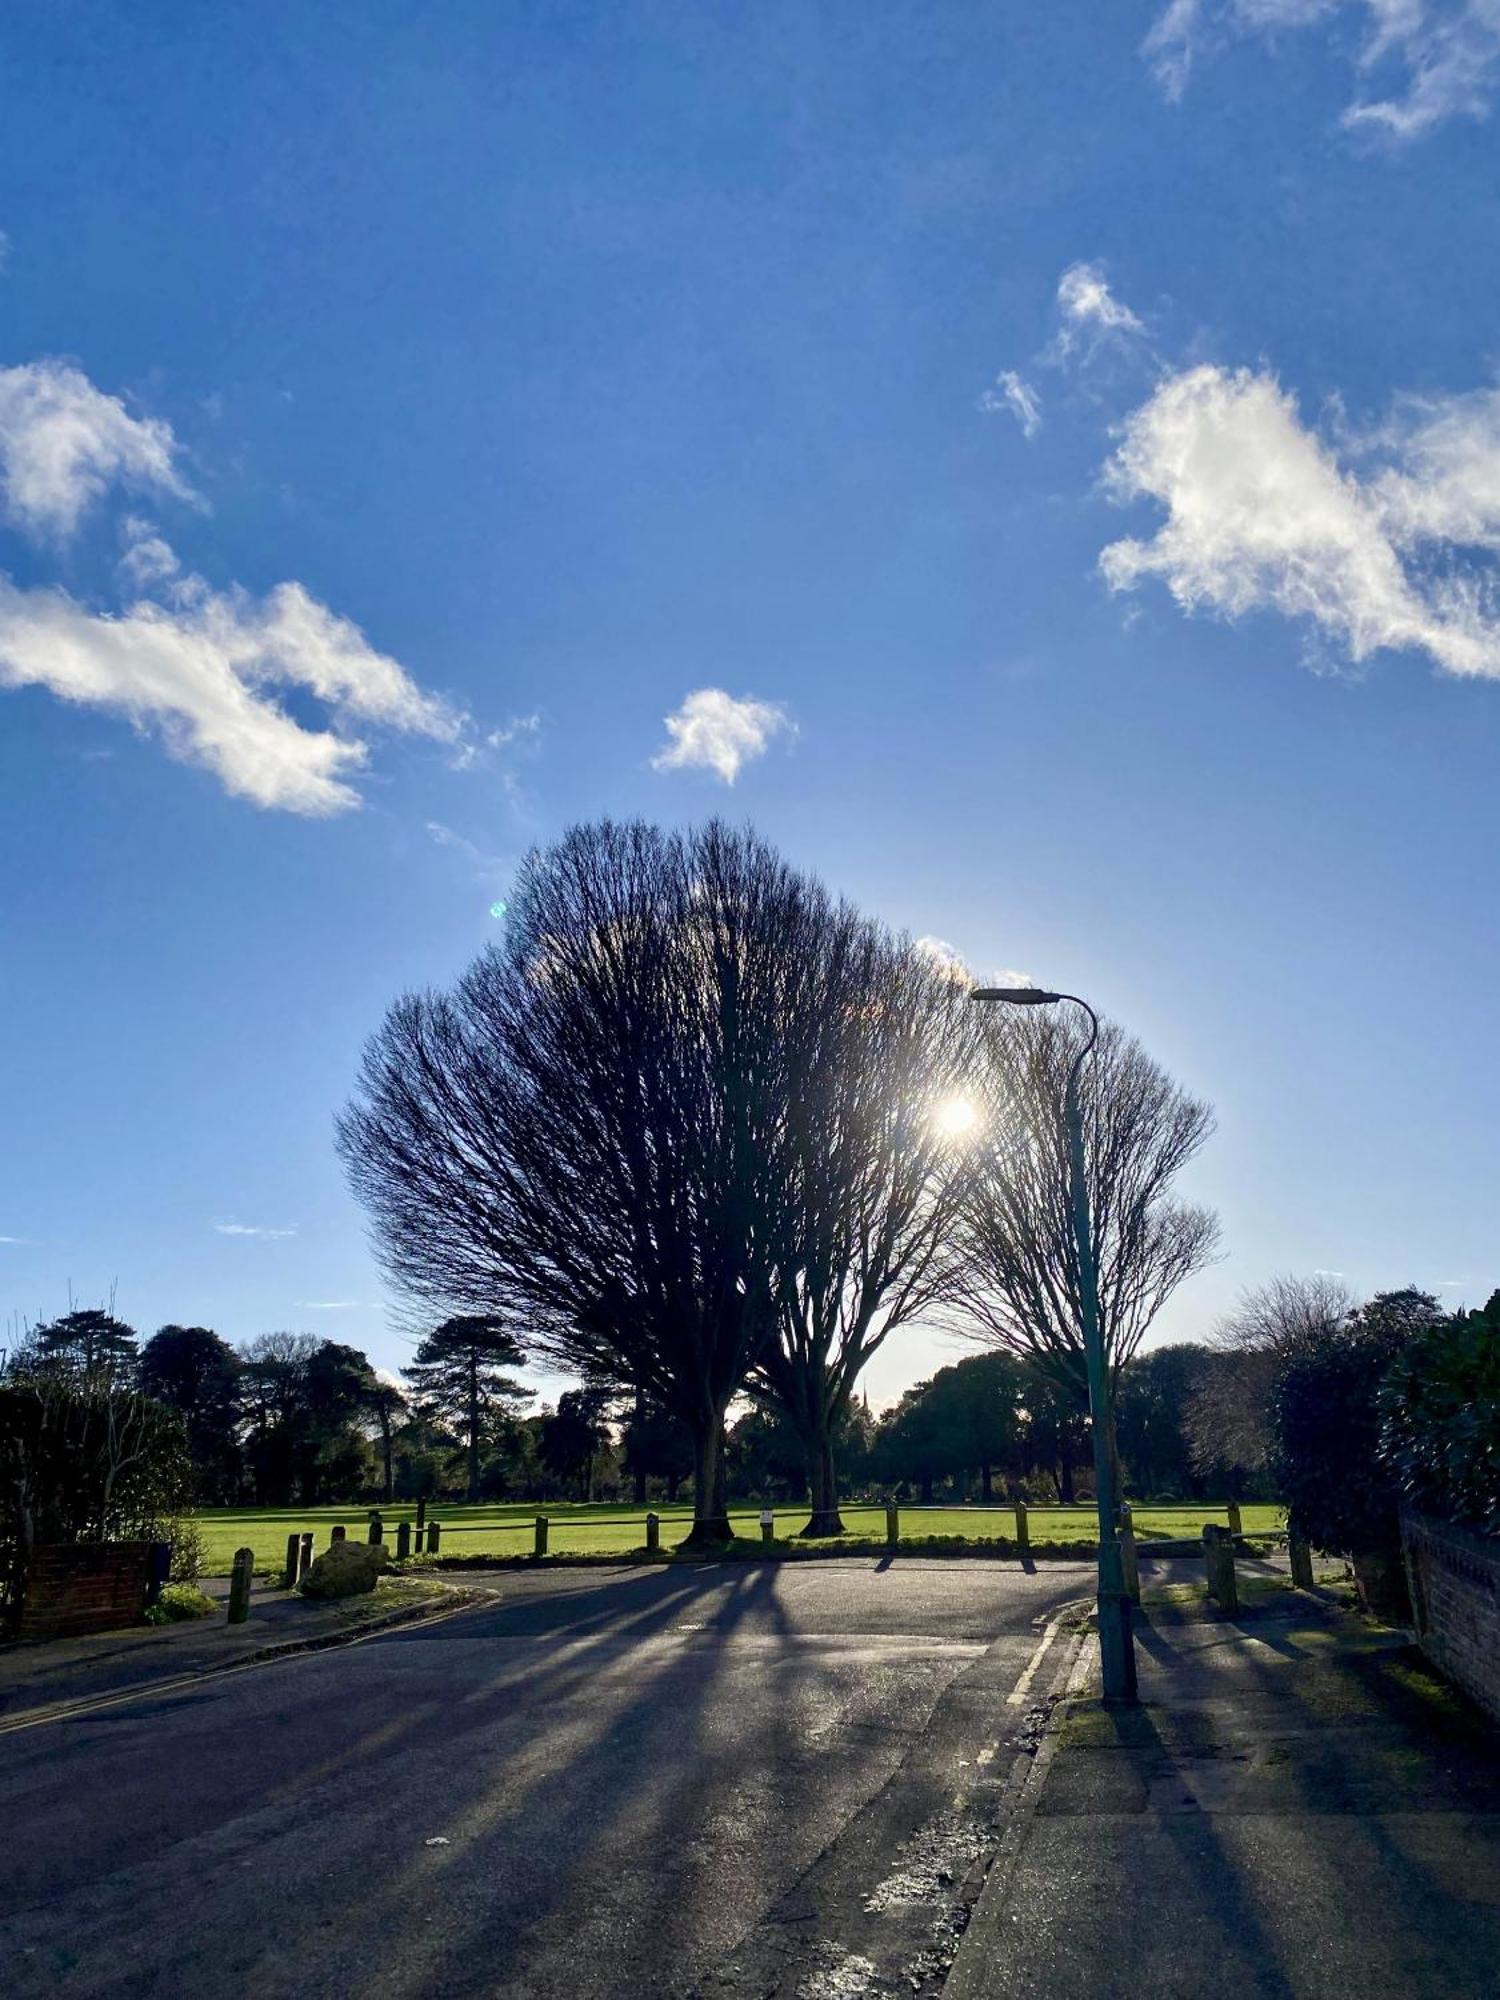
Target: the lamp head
(1016, 996)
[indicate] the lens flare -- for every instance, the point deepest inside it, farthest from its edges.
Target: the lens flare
(497, 910)
(955, 1116)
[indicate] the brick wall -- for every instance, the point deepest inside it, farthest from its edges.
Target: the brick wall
(76, 1587)
(1454, 1577)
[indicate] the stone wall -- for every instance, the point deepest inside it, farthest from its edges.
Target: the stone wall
(76, 1587)
(1454, 1578)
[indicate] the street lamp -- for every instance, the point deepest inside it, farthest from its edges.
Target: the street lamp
(1116, 1646)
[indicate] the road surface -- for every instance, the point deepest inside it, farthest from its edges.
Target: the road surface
(725, 1779)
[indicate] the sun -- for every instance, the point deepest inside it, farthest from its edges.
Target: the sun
(954, 1117)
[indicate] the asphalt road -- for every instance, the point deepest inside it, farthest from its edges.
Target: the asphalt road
(726, 1779)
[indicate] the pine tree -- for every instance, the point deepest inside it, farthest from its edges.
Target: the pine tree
(457, 1378)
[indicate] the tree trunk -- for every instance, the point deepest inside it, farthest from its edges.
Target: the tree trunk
(710, 1520)
(926, 1488)
(986, 1484)
(674, 1486)
(825, 1518)
(385, 1443)
(474, 1424)
(1064, 1476)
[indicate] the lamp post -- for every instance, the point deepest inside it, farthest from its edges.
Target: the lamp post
(1116, 1645)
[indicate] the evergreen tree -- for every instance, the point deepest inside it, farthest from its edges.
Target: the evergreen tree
(458, 1379)
(92, 1343)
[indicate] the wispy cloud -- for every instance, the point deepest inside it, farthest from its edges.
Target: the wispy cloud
(1015, 397)
(146, 559)
(63, 443)
(250, 1229)
(15, 1239)
(327, 1305)
(715, 731)
(1381, 540)
(1421, 63)
(196, 671)
(487, 867)
(4, 251)
(1089, 309)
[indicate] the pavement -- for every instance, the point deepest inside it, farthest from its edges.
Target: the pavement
(1298, 1809)
(720, 1779)
(50, 1673)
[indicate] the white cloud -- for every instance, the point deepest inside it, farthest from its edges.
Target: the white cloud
(1012, 394)
(146, 559)
(63, 443)
(1388, 546)
(327, 1305)
(946, 959)
(250, 1229)
(196, 671)
(1088, 305)
(1421, 61)
(715, 731)
(13, 1239)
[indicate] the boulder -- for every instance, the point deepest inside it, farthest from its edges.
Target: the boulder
(345, 1569)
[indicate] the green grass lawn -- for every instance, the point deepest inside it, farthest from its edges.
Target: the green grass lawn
(492, 1528)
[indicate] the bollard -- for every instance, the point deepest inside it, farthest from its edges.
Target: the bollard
(541, 1535)
(434, 1537)
(305, 1556)
(293, 1561)
(1236, 1525)
(403, 1540)
(768, 1524)
(892, 1524)
(1130, 1562)
(1023, 1527)
(377, 1528)
(159, 1573)
(1218, 1555)
(419, 1539)
(337, 1533)
(240, 1578)
(653, 1534)
(1300, 1554)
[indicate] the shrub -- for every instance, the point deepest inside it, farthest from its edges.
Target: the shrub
(177, 1602)
(1440, 1410)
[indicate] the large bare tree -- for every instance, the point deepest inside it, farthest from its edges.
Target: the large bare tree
(1020, 1286)
(590, 1132)
(876, 1151)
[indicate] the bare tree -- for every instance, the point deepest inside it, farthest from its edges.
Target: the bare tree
(590, 1133)
(1227, 1416)
(1019, 1285)
(876, 1162)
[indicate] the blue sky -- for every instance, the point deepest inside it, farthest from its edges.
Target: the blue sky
(1040, 463)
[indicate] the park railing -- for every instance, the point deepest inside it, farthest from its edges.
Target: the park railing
(1017, 1524)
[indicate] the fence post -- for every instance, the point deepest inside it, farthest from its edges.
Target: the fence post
(1023, 1526)
(1218, 1555)
(1300, 1555)
(653, 1533)
(541, 1535)
(293, 1560)
(1236, 1525)
(892, 1524)
(403, 1540)
(767, 1524)
(1130, 1561)
(377, 1528)
(239, 1585)
(338, 1532)
(305, 1556)
(434, 1537)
